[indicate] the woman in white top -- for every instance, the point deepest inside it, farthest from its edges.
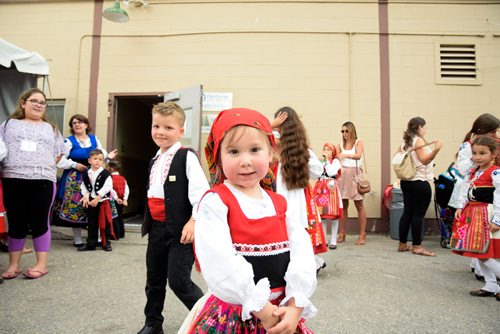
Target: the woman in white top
(417, 190)
(351, 157)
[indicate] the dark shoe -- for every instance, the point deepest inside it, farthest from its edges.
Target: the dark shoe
(107, 248)
(86, 248)
(78, 245)
(322, 267)
(332, 247)
(4, 247)
(151, 330)
(481, 293)
(479, 277)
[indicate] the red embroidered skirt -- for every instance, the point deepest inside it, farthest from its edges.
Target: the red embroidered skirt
(327, 197)
(471, 234)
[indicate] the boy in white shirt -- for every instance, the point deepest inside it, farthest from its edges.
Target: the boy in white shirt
(96, 187)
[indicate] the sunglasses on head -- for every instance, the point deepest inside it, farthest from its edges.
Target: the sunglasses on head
(344, 131)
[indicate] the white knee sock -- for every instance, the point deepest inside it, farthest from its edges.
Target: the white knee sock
(319, 261)
(474, 263)
(324, 222)
(489, 268)
(335, 228)
(77, 235)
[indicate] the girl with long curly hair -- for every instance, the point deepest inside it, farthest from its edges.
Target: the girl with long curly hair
(296, 166)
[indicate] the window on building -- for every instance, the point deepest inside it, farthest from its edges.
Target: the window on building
(457, 64)
(55, 112)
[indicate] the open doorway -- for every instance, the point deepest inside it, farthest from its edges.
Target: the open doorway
(129, 132)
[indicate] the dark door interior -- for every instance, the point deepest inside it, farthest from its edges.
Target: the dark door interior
(135, 146)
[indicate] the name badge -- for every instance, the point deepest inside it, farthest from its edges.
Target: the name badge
(29, 146)
(171, 178)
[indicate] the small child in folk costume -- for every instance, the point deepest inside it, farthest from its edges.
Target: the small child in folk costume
(96, 188)
(120, 193)
(326, 191)
(256, 259)
(484, 125)
(476, 230)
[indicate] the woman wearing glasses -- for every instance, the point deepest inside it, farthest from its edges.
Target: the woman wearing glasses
(68, 211)
(34, 146)
(351, 158)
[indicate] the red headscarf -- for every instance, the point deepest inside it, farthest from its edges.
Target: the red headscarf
(226, 120)
(332, 148)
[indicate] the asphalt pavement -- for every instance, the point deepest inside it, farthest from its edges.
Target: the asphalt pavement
(363, 289)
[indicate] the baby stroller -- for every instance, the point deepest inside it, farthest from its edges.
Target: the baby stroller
(443, 188)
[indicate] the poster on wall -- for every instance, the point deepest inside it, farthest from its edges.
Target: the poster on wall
(212, 103)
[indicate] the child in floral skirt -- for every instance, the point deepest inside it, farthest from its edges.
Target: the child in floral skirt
(326, 191)
(257, 261)
(476, 230)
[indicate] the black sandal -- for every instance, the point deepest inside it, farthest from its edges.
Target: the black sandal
(482, 293)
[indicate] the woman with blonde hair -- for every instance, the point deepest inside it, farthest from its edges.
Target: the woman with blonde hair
(351, 158)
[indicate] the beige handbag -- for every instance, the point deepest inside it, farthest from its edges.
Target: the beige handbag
(403, 165)
(361, 181)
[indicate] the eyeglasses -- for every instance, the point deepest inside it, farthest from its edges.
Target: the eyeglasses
(40, 103)
(276, 134)
(344, 131)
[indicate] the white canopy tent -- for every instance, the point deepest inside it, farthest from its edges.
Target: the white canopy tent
(19, 70)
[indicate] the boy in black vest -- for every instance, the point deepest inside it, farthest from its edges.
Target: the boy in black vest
(176, 185)
(96, 187)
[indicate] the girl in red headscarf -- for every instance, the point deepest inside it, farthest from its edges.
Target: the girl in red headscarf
(257, 261)
(326, 191)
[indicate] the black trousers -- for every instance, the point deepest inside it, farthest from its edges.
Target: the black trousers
(28, 204)
(93, 227)
(120, 225)
(416, 199)
(167, 258)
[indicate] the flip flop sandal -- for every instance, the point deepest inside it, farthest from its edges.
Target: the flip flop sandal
(11, 274)
(34, 274)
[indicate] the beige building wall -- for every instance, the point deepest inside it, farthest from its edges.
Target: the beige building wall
(321, 58)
